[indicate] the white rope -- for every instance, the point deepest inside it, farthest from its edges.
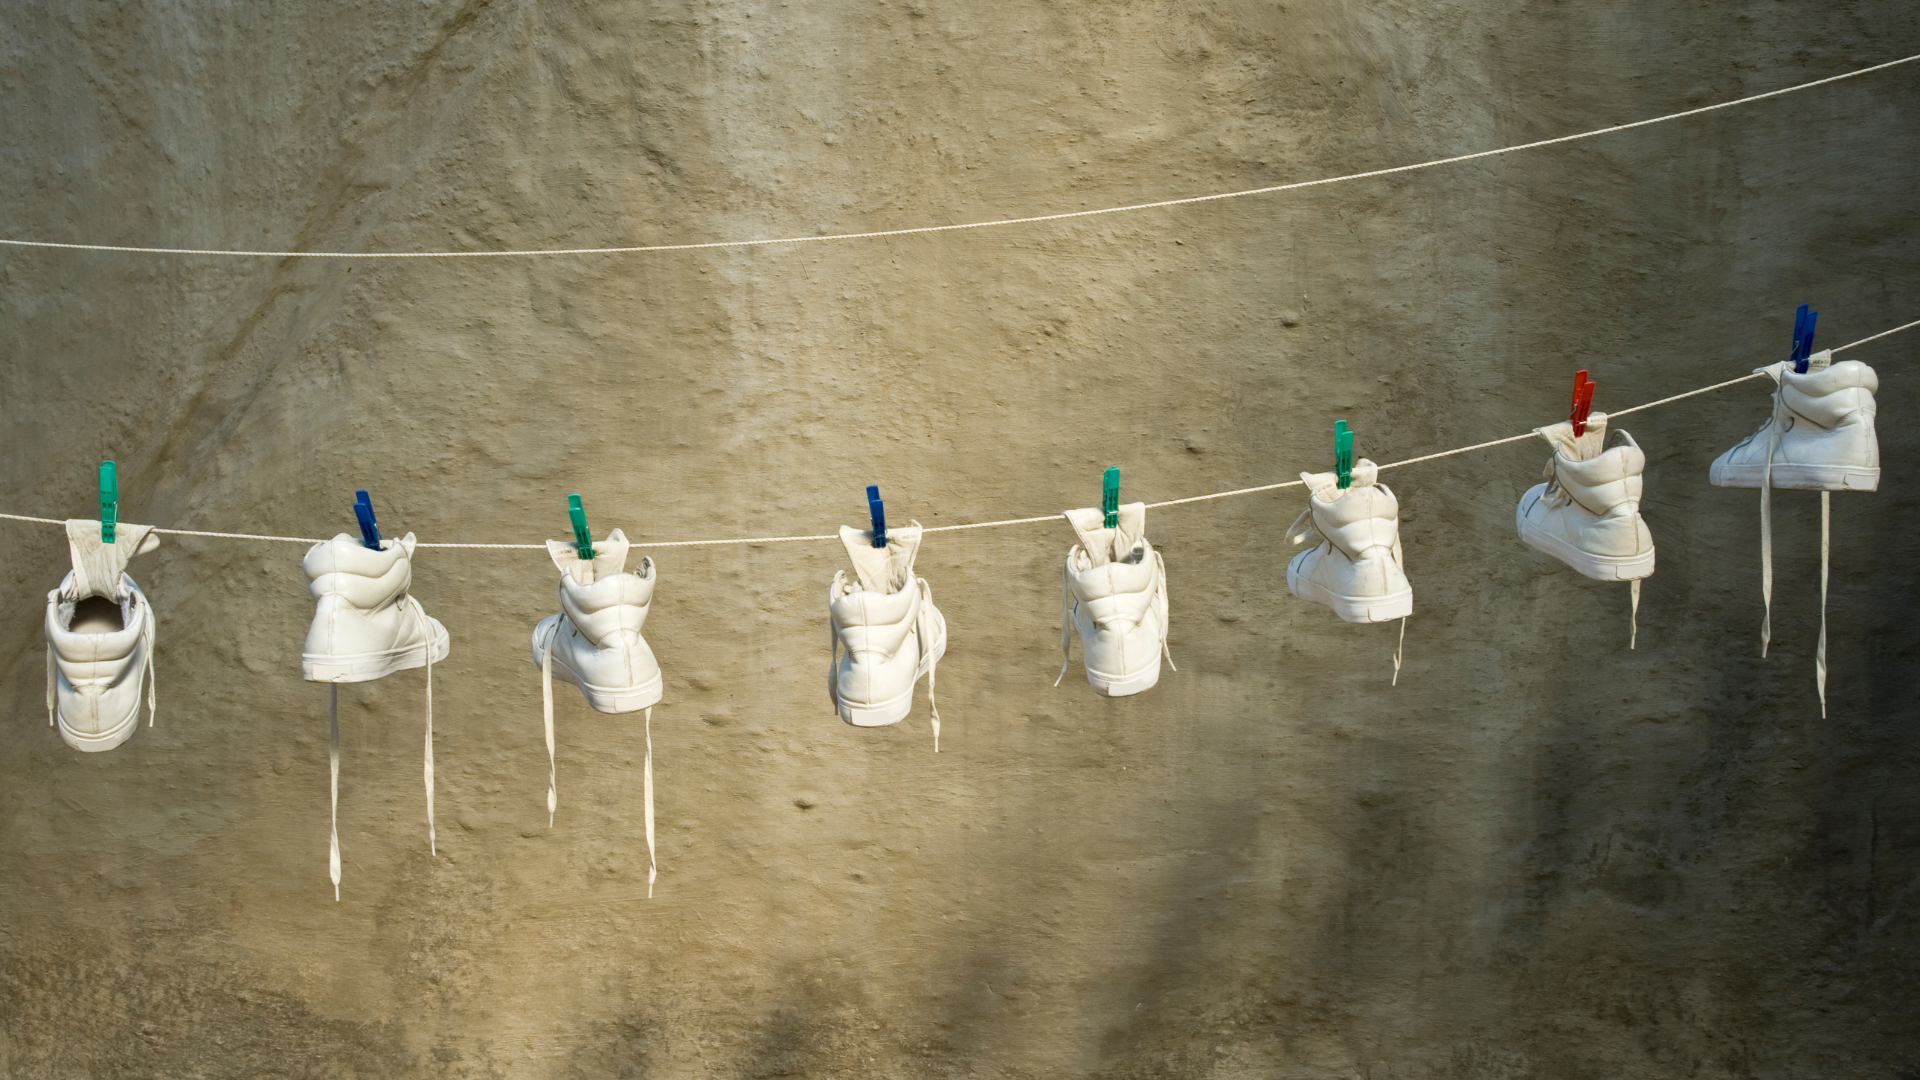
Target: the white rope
(1295, 186)
(1008, 521)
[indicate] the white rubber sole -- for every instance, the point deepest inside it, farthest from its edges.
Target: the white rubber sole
(366, 667)
(1597, 567)
(1796, 477)
(1354, 609)
(1124, 685)
(112, 737)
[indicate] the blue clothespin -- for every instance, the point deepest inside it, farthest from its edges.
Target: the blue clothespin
(879, 514)
(369, 528)
(109, 500)
(1803, 321)
(1110, 496)
(582, 539)
(1343, 453)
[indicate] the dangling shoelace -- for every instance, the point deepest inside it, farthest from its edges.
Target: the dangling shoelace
(1161, 563)
(333, 787)
(546, 704)
(1068, 606)
(923, 624)
(1774, 431)
(1820, 650)
(426, 629)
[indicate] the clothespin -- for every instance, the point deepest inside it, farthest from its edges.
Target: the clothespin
(879, 514)
(582, 539)
(1343, 453)
(1110, 496)
(369, 528)
(1582, 401)
(1803, 321)
(109, 500)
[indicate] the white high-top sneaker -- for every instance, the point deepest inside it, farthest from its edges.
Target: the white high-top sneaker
(1587, 514)
(595, 644)
(1356, 568)
(1113, 593)
(100, 639)
(1821, 434)
(885, 618)
(366, 626)
(1820, 438)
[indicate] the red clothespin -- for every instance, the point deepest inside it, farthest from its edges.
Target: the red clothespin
(1582, 401)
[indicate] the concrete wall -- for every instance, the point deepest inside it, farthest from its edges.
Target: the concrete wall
(1540, 856)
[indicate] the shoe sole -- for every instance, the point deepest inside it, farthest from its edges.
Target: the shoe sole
(894, 709)
(107, 740)
(1597, 567)
(1796, 477)
(366, 667)
(1124, 685)
(1354, 609)
(609, 699)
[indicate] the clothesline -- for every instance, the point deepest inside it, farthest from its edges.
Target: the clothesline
(1009, 521)
(1034, 219)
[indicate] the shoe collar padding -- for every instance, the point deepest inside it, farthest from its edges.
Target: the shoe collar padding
(1099, 545)
(365, 578)
(99, 568)
(885, 570)
(609, 558)
(1325, 487)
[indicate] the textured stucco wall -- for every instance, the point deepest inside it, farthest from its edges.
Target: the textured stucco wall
(1540, 856)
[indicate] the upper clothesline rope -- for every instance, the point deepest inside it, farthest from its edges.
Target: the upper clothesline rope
(1012, 521)
(1295, 186)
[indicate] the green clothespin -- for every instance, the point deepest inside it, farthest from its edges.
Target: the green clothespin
(109, 500)
(582, 539)
(1110, 496)
(1343, 453)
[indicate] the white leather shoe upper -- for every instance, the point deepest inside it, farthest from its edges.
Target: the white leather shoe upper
(596, 637)
(1821, 433)
(1114, 596)
(365, 625)
(1588, 513)
(885, 620)
(1356, 568)
(100, 631)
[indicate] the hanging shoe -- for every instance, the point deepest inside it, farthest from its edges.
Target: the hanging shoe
(366, 626)
(595, 644)
(1587, 514)
(1821, 434)
(1820, 438)
(100, 639)
(885, 619)
(1113, 594)
(1356, 567)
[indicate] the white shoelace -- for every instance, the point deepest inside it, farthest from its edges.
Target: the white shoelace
(646, 785)
(1766, 518)
(1633, 614)
(51, 683)
(926, 643)
(1067, 607)
(1166, 620)
(333, 787)
(1398, 649)
(1820, 650)
(546, 703)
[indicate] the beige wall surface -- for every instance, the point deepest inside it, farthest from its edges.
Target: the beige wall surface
(1541, 855)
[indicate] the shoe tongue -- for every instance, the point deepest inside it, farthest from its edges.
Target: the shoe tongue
(609, 558)
(97, 565)
(884, 570)
(1584, 447)
(1104, 545)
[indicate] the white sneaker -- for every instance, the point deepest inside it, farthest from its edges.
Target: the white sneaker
(100, 639)
(1820, 438)
(885, 619)
(1113, 593)
(1356, 568)
(366, 626)
(1821, 434)
(595, 644)
(1587, 514)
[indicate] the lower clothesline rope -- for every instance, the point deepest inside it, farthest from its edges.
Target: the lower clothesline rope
(1009, 521)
